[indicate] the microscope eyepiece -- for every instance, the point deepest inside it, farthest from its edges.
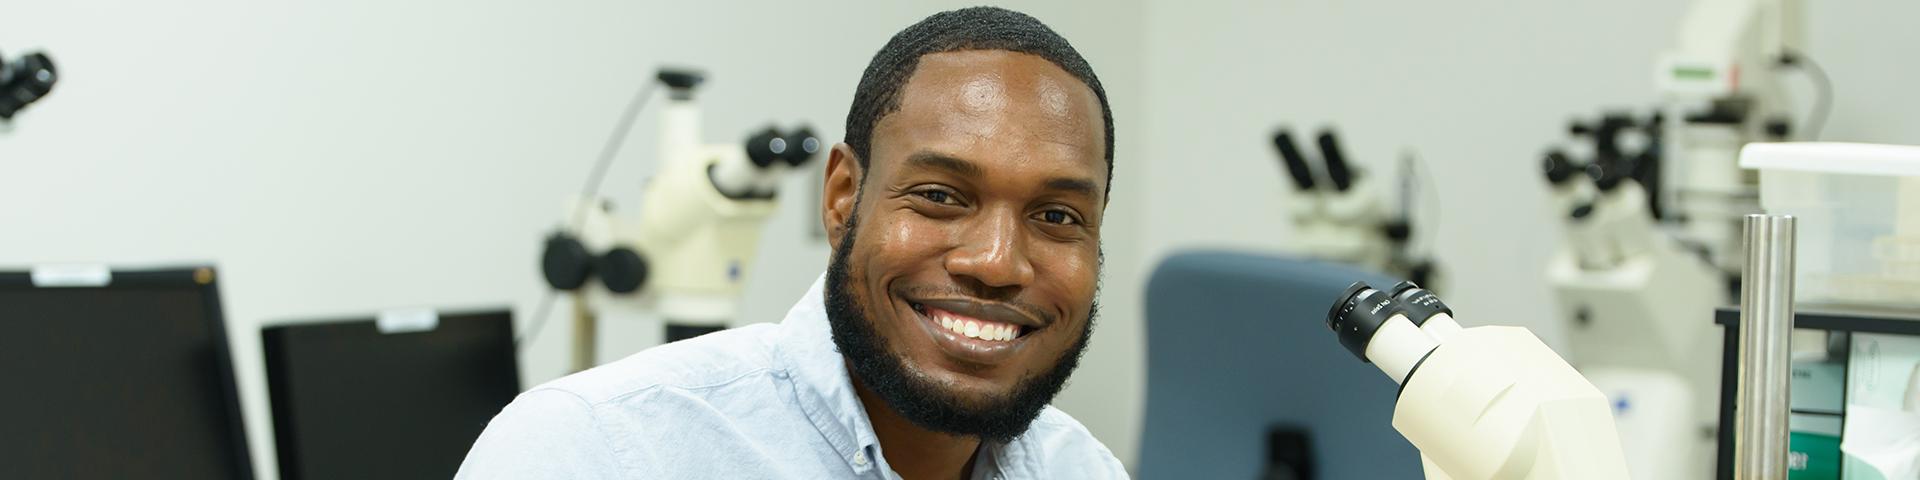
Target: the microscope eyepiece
(1418, 303)
(766, 147)
(24, 82)
(1358, 315)
(1606, 175)
(1336, 161)
(802, 145)
(1295, 162)
(1558, 167)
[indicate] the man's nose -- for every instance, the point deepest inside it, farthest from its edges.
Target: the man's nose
(992, 251)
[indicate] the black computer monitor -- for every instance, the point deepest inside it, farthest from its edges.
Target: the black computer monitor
(117, 374)
(352, 401)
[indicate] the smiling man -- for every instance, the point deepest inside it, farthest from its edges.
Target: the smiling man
(965, 210)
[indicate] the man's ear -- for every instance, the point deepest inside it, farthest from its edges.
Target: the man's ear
(840, 193)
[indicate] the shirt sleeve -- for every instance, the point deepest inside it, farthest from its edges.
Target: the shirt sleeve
(544, 433)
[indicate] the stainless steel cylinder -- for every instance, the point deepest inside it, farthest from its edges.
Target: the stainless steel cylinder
(586, 330)
(1766, 321)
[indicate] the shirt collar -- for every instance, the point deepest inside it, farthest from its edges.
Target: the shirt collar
(822, 387)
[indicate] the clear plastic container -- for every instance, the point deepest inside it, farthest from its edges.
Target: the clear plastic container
(1858, 210)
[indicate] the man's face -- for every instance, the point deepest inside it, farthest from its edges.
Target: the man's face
(970, 250)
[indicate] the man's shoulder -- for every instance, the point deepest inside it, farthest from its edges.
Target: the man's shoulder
(1058, 440)
(707, 361)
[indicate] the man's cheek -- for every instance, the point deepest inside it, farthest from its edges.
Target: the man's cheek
(901, 237)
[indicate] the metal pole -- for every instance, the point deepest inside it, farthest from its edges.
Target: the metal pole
(1766, 321)
(585, 334)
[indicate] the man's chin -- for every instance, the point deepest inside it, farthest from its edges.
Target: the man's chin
(965, 391)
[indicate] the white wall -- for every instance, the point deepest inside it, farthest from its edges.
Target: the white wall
(335, 158)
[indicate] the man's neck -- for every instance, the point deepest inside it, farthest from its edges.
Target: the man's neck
(917, 453)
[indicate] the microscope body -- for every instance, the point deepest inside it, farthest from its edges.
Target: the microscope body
(1341, 214)
(1480, 403)
(1652, 213)
(1344, 225)
(684, 261)
(1639, 305)
(1495, 403)
(701, 219)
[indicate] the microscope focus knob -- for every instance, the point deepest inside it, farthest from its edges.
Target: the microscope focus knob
(622, 270)
(802, 145)
(766, 147)
(565, 262)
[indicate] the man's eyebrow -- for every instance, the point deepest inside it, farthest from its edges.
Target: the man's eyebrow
(1081, 186)
(943, 162)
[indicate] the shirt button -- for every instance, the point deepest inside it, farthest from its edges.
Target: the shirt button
(860, 459)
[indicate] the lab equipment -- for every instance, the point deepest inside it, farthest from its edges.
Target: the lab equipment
(23, 82)
(690, 250)
(117, 373)
(1848, 419)
(1650, 207)
(1488, 402)
(401, 395)
(1860, 204)
(1234, 347)
(1340, 211)
(1855, 204)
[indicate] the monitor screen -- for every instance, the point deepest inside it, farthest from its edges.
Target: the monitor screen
(351, 401)
(128, 377)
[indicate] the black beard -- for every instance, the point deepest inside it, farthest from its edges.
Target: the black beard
(998, 418)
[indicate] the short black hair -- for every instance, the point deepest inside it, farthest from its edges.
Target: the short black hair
(975, 28)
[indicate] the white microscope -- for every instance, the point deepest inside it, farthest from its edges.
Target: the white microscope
(1482, 403)
(1340, 213)
(1651, 207)
(23, 82)
(687, 256)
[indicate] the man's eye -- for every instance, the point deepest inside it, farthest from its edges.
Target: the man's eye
(1058, 217)
(935, 195)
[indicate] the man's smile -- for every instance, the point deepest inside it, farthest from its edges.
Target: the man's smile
(976, 334)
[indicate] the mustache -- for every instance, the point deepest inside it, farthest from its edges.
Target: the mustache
(930, 292)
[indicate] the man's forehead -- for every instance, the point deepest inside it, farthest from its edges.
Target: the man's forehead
(995, 95)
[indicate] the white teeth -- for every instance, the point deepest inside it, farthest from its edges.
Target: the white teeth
(990, 331)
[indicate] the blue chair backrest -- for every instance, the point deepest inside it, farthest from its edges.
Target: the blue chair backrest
(1237, 343)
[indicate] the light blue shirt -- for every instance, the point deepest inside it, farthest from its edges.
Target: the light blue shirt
(762, 401)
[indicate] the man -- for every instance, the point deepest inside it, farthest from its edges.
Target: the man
(965, 209)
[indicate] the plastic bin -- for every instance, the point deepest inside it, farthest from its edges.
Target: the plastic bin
(1858, 207)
